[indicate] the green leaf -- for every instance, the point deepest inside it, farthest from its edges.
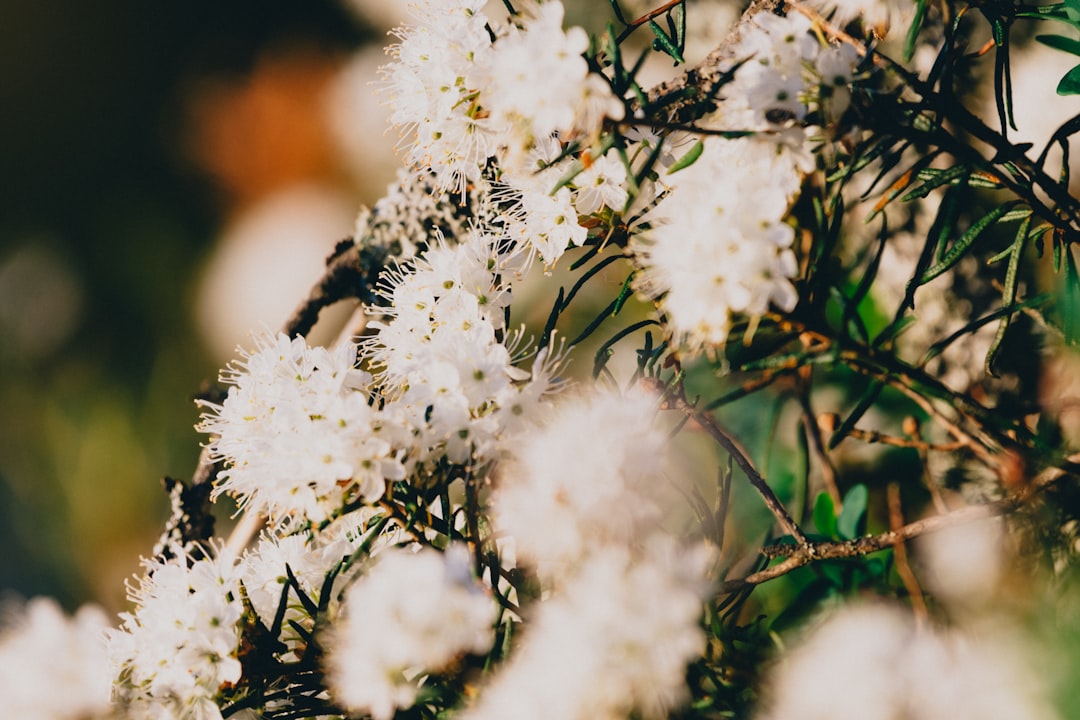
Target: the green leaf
(936, 178)
(1070, 84)
(847, 525)
(617, 11)
(1008, 294)
(1072, 11)
(688, 159)
(678, 15)
(913, 29)
(961, 246)
(825, 515)
(865, 402)
(1059, 42)
(663, 42)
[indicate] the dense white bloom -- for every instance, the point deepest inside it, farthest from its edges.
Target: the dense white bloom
(773, 86)
(310, 556)
(433, 87)
(721, 246)
(964, 564)
(53, 667)
(615, 639)
(591, 474)
(788, 72)
(440, 358)
(541, 83)
(410, 614)
(870, 662)
(172, 656)
(540, 218)
(297, 434)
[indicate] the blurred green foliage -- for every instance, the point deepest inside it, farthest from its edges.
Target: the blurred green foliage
(103, 224)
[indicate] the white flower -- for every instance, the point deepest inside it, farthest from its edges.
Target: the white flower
(53, 667)
(591, 474)
(776, 86)
(179, 647)
(541, 83)
(540, 218)
(601, 184)
(871, 662)
(614, 640)
(297, 433)
(438, 357)
(409, 615)
(432, 87)
(720, 246)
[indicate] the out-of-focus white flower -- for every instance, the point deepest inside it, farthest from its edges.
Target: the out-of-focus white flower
(870, 662)
(964, 563)
(266, 257)
(592, 474)
(53, 667)
(878, 15)
(171, 657)
(409, 615)
(614, 640)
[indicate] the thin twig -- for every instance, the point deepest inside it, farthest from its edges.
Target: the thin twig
(873, 436)
(903, 567)
(677, 401)
(813, 432)
(635, 24)
(796, 556)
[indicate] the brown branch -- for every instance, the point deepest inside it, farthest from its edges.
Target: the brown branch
(635, 24)
(702, 80)
(903, 567)
(873, 436)
(796, 556)
(345, 277)
(677, 401)
(813, 432)
(904, 381)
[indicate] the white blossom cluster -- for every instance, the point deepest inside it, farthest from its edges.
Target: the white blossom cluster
(872, 662)
(462, 97)
(181, 646)
(617, 633)
(722, 246)
(360, 584)
(441, 356)
(614, 642)
(298, 434)
(53, 666)
(596, 464)
(410, 614)
(176, 650)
